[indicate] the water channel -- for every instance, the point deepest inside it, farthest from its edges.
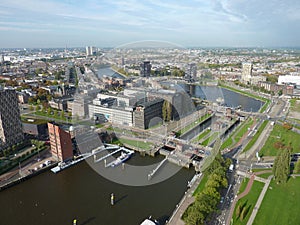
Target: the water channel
(79, 192)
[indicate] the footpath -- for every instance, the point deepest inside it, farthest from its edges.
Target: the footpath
(247, 190)
(187, 199)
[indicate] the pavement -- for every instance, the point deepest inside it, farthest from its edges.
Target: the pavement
(247, 190)
(187, 199)
(244, 193)
(259, 201)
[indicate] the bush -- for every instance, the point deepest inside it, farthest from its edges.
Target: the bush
(238, 211)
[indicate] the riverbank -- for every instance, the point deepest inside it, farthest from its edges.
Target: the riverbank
(186, 200)
(19, 179)
(246, 93)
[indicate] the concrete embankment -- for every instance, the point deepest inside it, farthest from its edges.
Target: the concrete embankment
(18, 180)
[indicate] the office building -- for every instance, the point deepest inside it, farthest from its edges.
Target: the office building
(60, 142)
(148, 114)
(145, 69)
(90, 50)
(246, 72)
(10, 123)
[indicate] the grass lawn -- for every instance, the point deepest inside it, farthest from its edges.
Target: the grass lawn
(266, 175)
(227, 143)
(295, 105)
(280, 204)
(255, 137)
(237, 134)
(243, 186)
(279, 133)
(193, 124)
(202, 135)
(201, 184)
(139, 144)
(212, 137)
(248, 123)
(249, 200)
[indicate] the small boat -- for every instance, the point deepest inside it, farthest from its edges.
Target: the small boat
(122, 158)
(149, 221)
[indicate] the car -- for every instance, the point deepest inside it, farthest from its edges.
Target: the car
(222, 199)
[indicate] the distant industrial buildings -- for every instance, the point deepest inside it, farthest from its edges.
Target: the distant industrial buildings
(10, 123)
(60, 142)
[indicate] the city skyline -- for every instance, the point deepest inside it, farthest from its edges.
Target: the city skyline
(53, 23)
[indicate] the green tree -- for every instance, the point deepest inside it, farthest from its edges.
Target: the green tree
(166, 111)
(281, 166)
(31, 108)
(297, 167)
(69, 114)
(238, 211)
(49, 111)
(62, 114)
(38, 108)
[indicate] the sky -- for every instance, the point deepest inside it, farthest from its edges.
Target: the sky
(188, 23)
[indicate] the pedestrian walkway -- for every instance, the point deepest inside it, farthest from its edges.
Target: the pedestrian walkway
(187, 199)
(259, 201)
(247, 190)
(244, 193)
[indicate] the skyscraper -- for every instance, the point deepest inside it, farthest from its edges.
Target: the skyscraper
(90, 50)
(60, 142)
(10, 122)
(145, 69)
(247, 72)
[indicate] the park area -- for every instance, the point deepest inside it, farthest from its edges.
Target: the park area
(280, 204)
(278, 137)
(246, 204)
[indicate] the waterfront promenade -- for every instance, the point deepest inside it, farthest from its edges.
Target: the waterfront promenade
(187, 199)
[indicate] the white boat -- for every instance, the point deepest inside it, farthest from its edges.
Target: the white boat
(149, 222)
(122, 158)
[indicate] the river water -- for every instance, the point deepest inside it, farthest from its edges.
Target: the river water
(107, 71)
(231, 99)
(79, 192)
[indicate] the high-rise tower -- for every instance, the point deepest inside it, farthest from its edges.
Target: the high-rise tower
(11, 131)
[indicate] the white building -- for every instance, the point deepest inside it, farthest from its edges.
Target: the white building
(288, 79)
(246, 72)
(123, 116)
(90, 50)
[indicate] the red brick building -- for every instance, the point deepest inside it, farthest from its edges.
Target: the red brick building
(60, 142)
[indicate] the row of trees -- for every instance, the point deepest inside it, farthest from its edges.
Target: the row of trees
(281, 166)
(50, 111)
(207, 200)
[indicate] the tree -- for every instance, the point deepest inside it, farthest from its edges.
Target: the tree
(38, 108)
(238, 211)
(31, 108)
(49, 111)
(62, 114)
(244, 212)
(281, 167)
(297, 167)
(69, 114)
(167, 111)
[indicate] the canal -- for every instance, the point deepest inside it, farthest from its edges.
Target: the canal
(231, 99)
(79, 192)
(107, 71)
